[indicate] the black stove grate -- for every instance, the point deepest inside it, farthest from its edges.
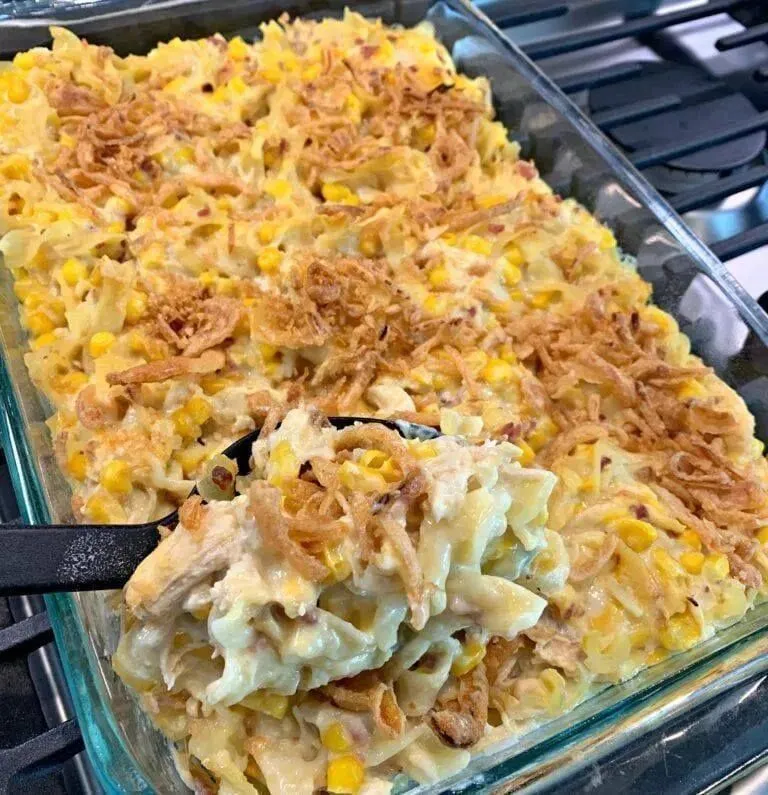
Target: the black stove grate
(49, 757)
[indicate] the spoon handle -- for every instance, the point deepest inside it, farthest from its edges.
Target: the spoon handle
(43, 559)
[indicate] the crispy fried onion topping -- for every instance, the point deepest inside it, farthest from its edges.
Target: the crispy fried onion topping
(460, 722)
(173, 367)
(367, 693)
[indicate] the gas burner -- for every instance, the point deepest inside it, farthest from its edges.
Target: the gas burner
(708, 106)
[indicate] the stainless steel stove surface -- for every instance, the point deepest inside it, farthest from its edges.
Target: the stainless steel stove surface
(682, 87)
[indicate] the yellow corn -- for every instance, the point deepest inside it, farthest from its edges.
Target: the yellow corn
(273, 704)
(543, 433)
(692, 562)
(213, 384)
(607, 239)
(269, 259)
(667, 566)
(681, 632)
(208, 278)
(511, 273)
(424, 450)
(237, 49)
(762, 535)
(226, 286)
(691, 389)
(358, 478)
(716, 567)
(543, 298)
(267, 232)
(508, 355)
(339, 194)
(652, 314)
(439, 276)
(425, 136)
(184, 424)
(24, 60)
(449, 238)
(477, 245)
(43, 341)
(278, 188)
(345, 775)
(435, 304)
(337, 564)
(336, 738)
(354, 107)
(311, 72)
(136, 306)
(191, 458)
(116, 477)
(100, 343)
(470, 656)
(528, 456)
(38, 322)
(605, 621)
(514, 255)
(691, 539)
(73, 271)
(237, 85)
(103, 509)
(635, 533)
(18, 89)
(283, 462)
(656, 656)
(199, 409)
(369, 243)
(490, 200)
(23, 288)
(382, 463)
(497, 371)
(77, 466)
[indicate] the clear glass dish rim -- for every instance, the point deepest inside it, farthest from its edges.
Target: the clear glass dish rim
(734, 655)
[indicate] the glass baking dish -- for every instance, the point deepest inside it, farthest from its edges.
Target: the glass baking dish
(727, 329)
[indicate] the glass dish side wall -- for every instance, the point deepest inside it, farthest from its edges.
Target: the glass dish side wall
(726, 327)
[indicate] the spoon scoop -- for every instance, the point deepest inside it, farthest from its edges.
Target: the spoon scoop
(88, 557)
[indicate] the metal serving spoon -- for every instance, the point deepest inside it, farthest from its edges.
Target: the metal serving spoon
(88, 557)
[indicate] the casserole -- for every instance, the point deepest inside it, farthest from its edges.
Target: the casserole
(681, 287)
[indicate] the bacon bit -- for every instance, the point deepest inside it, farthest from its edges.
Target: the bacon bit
(154, 372)
(639, 511)
(461, 723)
(496, 229)
(204, 212)
(369, 50)
(526, 169)
(605, 462)
(222, 478)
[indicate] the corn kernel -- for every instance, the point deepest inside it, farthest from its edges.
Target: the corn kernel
(208, 278)
(381, 463)
(490, 200)
(359, 478)
(336, 738)
(184, 424)
(267, 232)
(213, 384)
(439, 276)
(278, 188)
(353, 106)
(691, 539)
(38, 323)
(692, 562)
(477, 245)
(681, 632)
(716, 567)
(691, 389)
(269, 259)
(336, 563)
(100, 343)
(497, 371)
(273, 704)
(543, 298)
(199, 409)
(762, 535)
(511, 273)
(77, 466)
(635, 533)
(449, 238)
(237, 49)
(369, 243)
(24, 60)
(191, 458)
(543, 433)
(667, 566)
(237, 85)
(508, 355)
(607, 239)
(425, 136)
(23, 288)
(311, 72)
(18, 89)
(339, 194)
(136, 306)
(435, 304)
(528, 456)
(43, 341)
(424, 450)
(470, 656)
(660, 318)
(116, 477)
(103, 509)
(345, 775)
(283, 463)
(514, 255)
(73, 271)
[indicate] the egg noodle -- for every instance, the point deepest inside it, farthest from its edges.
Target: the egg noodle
(207, 235)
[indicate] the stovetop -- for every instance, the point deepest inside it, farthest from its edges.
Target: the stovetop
(695, 125)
